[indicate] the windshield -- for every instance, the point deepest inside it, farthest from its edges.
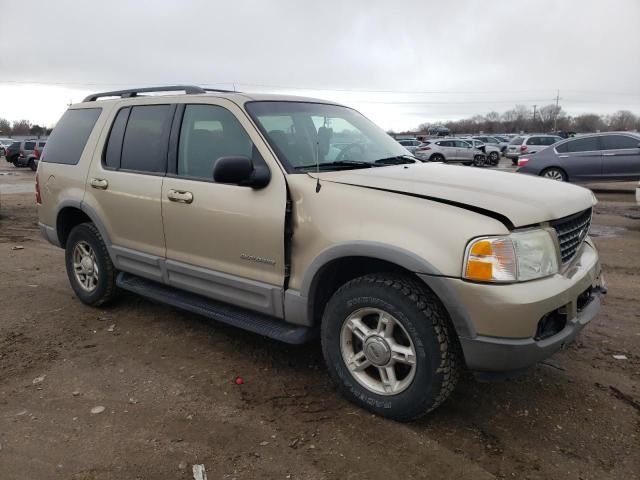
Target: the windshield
(336, 137)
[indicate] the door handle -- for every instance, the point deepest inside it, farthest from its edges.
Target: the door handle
(180, 196)
(99, 183)
(608, 154)
(563, 156)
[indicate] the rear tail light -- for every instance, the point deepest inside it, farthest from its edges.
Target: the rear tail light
(522, 162)
(36, 153)
(38, 197)
(523, 148)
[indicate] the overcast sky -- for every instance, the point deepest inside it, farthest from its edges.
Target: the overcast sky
(399, 62)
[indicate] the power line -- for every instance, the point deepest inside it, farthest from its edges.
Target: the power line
(320, 89)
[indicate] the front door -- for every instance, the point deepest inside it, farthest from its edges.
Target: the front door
(465, 151)
(223, 241)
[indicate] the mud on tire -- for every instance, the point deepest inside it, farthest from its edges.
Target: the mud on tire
(423, 318)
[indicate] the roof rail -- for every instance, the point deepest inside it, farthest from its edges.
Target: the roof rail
(133, 92)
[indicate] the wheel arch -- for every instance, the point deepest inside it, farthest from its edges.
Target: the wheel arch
(73, 212)
(340, 263)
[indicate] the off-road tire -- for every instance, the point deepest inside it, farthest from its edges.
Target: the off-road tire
(106, 288)
(424, 318)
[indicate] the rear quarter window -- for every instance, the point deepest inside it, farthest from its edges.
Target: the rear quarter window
(69, 137)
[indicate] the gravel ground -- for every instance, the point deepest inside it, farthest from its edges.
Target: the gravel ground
(164, 380)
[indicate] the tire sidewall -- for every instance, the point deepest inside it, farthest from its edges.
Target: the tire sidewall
(427, 380)
(84, 233)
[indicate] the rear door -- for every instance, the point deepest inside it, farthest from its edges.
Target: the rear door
(581, 158)
(620, 157)
(125, 183)
(223, 241)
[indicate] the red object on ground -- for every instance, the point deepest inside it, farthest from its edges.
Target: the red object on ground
(239, 381)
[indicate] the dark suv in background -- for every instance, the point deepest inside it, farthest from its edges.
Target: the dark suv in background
(25, 153)
(588, 158)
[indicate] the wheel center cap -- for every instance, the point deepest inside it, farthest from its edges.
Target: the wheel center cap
(87, 264)
(377, 350)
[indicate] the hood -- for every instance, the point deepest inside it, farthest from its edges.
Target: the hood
(515, 199)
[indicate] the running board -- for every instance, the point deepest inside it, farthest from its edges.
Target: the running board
(222, 312)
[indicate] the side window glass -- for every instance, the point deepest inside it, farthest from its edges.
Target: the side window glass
(583, 145)
(29, 145)
(619, 142)
(563, 148)
(114, 144)
(146, 139)
(209, 132)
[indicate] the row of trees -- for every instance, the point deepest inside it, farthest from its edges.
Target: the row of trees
(21, 127)
(547, 118)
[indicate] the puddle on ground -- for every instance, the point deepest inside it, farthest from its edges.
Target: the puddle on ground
(606, 231)
(4, 174)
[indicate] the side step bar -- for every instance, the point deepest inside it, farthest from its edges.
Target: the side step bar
(236, 316)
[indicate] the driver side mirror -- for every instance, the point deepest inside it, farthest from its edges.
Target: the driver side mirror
(239, 170)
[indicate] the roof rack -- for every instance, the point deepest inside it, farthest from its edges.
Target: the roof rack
(133, 92)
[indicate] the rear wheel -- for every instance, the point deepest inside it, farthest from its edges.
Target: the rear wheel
(89, 267)
(554, 173)
(32, 165)
(436, 157)
(388, 346)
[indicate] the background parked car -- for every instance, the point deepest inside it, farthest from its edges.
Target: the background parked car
(450, 150)
(4, 144)
(528, 144)
(26, 153)
(503, 141)
(410, 144)
(596, 157)
(491, 150)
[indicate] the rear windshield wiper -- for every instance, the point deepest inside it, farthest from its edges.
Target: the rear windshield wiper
(397, 160)
(339, 164)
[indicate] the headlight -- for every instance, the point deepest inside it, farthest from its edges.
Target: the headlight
(517, 257)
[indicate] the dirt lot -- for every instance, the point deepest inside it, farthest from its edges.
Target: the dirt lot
(166, 381)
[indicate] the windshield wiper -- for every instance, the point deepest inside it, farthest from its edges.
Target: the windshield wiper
(397, 160)
(338, 163)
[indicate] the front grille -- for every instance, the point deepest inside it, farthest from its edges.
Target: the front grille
(571, 233)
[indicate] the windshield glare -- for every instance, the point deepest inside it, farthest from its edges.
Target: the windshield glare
(302, 133)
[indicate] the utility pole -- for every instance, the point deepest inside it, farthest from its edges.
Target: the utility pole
(555, 114)
(534, 113)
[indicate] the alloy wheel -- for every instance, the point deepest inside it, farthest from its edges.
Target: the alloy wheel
(378, 351)
(85, 266)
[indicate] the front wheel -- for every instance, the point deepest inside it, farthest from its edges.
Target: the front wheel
(388, 346)
(479, 161)
(89, 267)
(494, 157)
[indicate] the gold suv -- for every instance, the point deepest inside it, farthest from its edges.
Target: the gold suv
(294, 217)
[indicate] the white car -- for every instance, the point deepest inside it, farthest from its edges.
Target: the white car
(4, 143)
